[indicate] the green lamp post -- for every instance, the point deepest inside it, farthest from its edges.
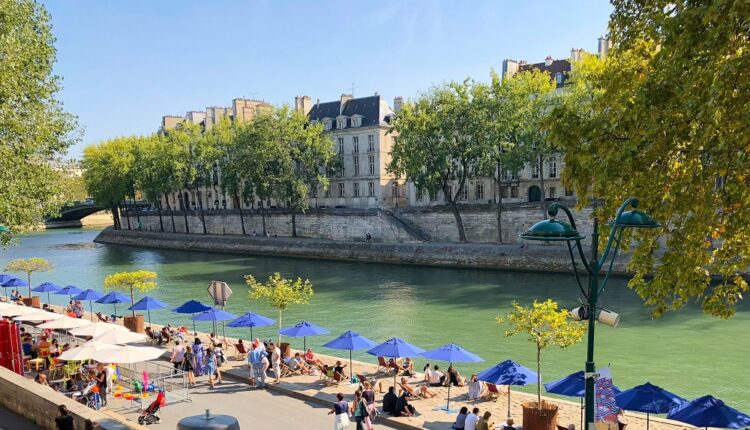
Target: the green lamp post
(555, 230)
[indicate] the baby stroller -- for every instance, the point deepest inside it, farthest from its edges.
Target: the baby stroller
(87, 396)
(149, 415)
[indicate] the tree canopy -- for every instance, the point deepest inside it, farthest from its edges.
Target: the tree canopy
(281, 292)
(34, 128)
(664, 118)
(29, 266)
(141, 280)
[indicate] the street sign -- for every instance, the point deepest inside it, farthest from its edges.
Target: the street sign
(220, 292)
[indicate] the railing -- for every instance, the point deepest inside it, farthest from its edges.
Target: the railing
(160, 376)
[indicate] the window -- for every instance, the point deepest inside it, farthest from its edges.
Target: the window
(355, 144)
(341, 122)
(535, 171)
(327, 193)
(568, 192)
(504, 176)
(355, 189)
(420, 194)
(313, 191)
(558, 78)
(480, 192)
(342, 190)
(465, 193)
(341, 145)
(433, 195)
(552, 192)
(504, 192)
(514, 176)
(395, 190)
(342, 166)
(356, 121)
(371, 189)
(514, 192)
(552, 167)
(371, 163)
(450, 193)
(356, 165)
(371, 143)
(327, 124)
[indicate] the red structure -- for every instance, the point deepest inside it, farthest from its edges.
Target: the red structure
(11, 353)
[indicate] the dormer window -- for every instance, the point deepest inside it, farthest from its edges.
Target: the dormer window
(327, 124)
(356, 121)
(559, 78)
(341, 122)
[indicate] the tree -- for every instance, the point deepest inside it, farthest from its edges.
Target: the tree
(440, 142)
(546, 326)
(280, 292)
(155, 166)
(130, 281)
(34, 128)
(664, 118)
(107, 173)
(29, 266)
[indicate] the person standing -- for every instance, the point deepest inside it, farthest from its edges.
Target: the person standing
(199, 359)
(276, 361)
(101, 382)
(341, 409)
(368, 395)
(360, 410)
(188, 364)
(178, 355)
(211, 367)
(471, 420)
(257, 357)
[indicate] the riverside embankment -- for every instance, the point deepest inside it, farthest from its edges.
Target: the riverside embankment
(549, 258)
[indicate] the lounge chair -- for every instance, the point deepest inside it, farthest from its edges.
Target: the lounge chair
(240, 352)
(288, 371)
(383, 366)
(152, 336)
(102, 318)
(493, 392)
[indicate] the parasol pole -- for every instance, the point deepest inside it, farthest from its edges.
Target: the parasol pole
(148, 311)
(91, 310)
(351, 368)
(448, 405)
(508, 400)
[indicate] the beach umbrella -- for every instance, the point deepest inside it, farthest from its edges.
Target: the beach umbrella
(13, 282)
(350, 341)
(13, 310)
(4, 277)
(46, 287)
(96, 329)
(146, 304)
(648, 398)
(708, 411)
(128, 354)
(114, 298)
(573, 385)
(39, 315)
(451, 353)
(86, 351)
(303, 329)
(69, 290)
(89, 295)
(508, 373)
(214, 315)
(251, 320)
(120, 337)
(191, 307)
(65, 323)
(395, 347)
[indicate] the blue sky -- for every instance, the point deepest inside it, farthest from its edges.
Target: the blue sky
(127, 63)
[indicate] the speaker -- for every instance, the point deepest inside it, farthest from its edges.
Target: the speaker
(608, 317)
(579, 314)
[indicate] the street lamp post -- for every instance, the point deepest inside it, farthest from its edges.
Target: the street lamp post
(555, 230)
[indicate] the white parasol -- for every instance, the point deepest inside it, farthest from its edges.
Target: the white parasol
(129, 354)
(120, 337)
(65, 323)
(86, 351)
(13, 310)
(96, 329)
(39, 316)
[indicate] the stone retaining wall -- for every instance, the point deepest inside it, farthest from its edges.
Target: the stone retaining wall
(535, 257)
(39, 405)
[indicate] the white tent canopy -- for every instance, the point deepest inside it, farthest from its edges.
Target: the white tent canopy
(96, 329)
(65, 323)
(39, 316)
(120, 337)
(13, 310)
(128, 354)
(86, 351)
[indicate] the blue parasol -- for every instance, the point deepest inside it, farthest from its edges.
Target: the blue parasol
(648, 398)
(13, 282)
(395, 347)
(69, 290)
(303, 329)
(251, 320)
(89, 295)
(573, 385)
(191, 307)
(214, 315)
(451, 353)
(146, 304)
(350, 341)
(114, 298)
(508, 373)
(708, 411)
(46, 287)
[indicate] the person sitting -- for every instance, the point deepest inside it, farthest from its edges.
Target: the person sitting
(403, 408)
(454, 378)
(436, 378)
(426, 370)
(508, 425)
(54, 349)
(460, 422)
(389, 401)
(165, 336)
(395, 365)
(423, 392)
(296, 364)
(153, 335)
(486, 423)
(475, 387)
(28, 348)
(339, 368)
(408, 366)
(310, 358)
(41, 379)
(16, 296)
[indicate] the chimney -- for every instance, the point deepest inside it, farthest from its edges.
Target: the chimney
(510, 68)
(576, 54)
(603, 47)
(344, 98)
(397, 102)
(303, 104)
(523, 63)
(548, 61)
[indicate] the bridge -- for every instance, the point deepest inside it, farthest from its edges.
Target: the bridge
(71, 215)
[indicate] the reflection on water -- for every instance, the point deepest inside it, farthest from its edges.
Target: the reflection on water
(686, 352)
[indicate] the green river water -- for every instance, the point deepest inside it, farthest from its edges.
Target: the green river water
(687, 352)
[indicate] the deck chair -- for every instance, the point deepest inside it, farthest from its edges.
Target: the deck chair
(152, 337)
(102, 318)
(383, 366)
(288, 371)
(493, 392)
(240, 352)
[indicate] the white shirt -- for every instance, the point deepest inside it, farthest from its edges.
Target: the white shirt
(471, 422)
(435, 376)
(178, 354)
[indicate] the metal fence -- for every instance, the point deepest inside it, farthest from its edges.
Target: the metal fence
(160, 376)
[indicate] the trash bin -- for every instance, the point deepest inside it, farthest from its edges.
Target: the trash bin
(209, 422)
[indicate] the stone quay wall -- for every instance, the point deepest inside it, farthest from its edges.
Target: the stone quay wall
(408, 225)
(551, 257)
(38, 404)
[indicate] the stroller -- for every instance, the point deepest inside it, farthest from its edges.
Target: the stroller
(149, 414)
(88, 396)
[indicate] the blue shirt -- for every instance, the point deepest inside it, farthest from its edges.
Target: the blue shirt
(256, 356)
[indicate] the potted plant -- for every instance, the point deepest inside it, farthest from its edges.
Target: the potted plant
(281, 292)
(545, 326)
(29, 266)
(130, 281)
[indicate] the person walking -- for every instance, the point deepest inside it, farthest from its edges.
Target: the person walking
(257, 358)
(188, 364)
(369, 398)
(101, 382)
(178, 355)
(212, 368)
(341, 409)
(360, 410)
(199, 356)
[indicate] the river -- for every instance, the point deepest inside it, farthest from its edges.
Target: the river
(686, 352)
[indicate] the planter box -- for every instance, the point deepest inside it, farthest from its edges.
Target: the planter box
(539, 419)
(134, 324)
(34, 302)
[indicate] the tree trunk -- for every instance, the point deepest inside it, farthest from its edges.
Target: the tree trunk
(184, 213)
(539, 376)
(135, 205)
(127, 216)
(294, 223)
(263, 217)
(499, 204)
(541, 185)
(28, 276)
(132, 299)
(116, 217)
(171, 212)
(280, 311)
(239, 206)
(459, 222)
(161, 223)
(200, 205)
